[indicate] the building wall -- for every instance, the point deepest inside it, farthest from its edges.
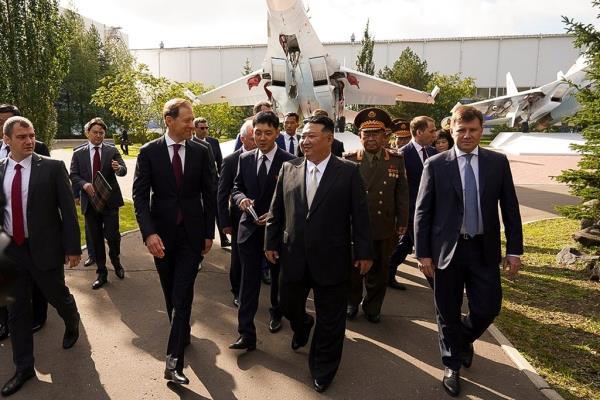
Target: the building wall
(532, 60)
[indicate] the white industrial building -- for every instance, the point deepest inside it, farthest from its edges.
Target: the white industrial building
(532, 59)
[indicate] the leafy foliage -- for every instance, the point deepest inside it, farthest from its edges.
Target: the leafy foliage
(364, 60)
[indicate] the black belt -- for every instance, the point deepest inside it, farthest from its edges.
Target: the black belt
(464, 236)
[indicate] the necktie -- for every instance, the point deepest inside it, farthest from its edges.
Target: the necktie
(311, 188)
(471, 222)
(17, 207)
(178, 172)
(96, 163)
(425, 155)
(262, 173)
(7, 150)
(292, 145)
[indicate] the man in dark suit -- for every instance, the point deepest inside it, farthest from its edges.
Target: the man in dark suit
(415, 154)
(125, 142)
(228, 212)
(38, 212)
(40, 304)
(258, 107)
(201, 136)
(253, 189)
(174, 198)
(288, 140)
(318, 228)
(457, 238)
(87, 161)
(387, 197)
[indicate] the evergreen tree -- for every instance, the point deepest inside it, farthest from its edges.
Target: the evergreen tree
(364, 60)
(585, 180)
(34, 59)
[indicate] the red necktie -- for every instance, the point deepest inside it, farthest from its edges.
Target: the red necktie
(17, 208)
(178, 172)
(96, 164)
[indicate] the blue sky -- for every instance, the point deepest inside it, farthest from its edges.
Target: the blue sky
(224, 22)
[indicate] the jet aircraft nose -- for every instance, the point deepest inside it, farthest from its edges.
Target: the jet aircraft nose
(280, 5)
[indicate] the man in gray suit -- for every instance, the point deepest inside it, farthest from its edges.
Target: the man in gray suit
(38, 213)
(318, 228)
(99, 157)
(457, 237)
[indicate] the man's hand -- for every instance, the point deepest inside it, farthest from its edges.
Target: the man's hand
(363, 265)
(155, 246)
(115, 165)
(426, 266)
(207, 246)
(228, 230)
(245, 203)
(512, 264)
(89, 189)
(401, 230)
(72, 260)
(272, 256)
(262, 220)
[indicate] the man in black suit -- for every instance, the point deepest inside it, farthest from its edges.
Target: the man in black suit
(38, 212)
(288, 140)
(201, 129)
(258, 107)
(457, 238)
(174, 198)
(228, 212)
(415, 154)
(125, 142)
(87, 161)
(253, 189)
(318, 228)
(40, 304)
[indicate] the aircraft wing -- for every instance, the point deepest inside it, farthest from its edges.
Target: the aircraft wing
(499, 107)
(360, 88)
(245, 91)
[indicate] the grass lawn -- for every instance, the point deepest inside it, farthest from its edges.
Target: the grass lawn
(127, 220)
(134, 150)
(552, 314)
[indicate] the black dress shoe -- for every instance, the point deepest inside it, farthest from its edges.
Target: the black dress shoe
(89, 261)
(17, 381)
(174, 374)
(275, 325)
(71, 335)
(266, 277)
(467, 356)
(301, 338)
(243, 343)
(3, 331)
(351, 311)
(119, 271)
(373, 318)
(99, 282)
(320, 386)
(451, 382)
(236, 301)
(225, 243)
(396, 285)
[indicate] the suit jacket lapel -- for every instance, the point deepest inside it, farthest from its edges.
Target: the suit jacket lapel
(273, 170)
(36, 162)
(326, 183)
(105, 157)
(482, 171)
(300, 176)
(454, 172)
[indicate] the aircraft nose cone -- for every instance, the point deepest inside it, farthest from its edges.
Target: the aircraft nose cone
(280, 5)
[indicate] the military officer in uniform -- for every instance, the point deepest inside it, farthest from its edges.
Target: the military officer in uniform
(387, 192)
(401, 133)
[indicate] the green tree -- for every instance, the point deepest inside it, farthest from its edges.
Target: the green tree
(408, 70)
(452, 89)
(247, 67)
(364, 59)
(585, 180)
(34, 59)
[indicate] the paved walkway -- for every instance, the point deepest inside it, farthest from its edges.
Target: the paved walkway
(120, 354)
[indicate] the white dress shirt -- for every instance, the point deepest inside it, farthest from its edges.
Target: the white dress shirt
(320, 169)
(269, 161)
(7, 186)
(287, 139)
(170, 142)
(462, 163)
(4, 151)
(419, 148)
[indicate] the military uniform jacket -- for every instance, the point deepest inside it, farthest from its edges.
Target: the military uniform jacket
(387, 191)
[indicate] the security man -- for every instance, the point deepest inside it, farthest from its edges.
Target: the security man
(387, 193)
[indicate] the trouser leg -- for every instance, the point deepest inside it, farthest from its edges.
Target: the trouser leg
(251, 260)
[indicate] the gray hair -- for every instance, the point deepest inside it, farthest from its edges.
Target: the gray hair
(12, 121)
(244, 128)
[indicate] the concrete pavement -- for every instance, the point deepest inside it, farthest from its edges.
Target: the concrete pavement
(120, 354)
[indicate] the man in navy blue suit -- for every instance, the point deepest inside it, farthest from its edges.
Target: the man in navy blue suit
(253, 190)
(415, 153)
(457, 238)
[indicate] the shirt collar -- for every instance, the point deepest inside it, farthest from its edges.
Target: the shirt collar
(320, 166)
(91, 145)
(171, 142)
(270, 154)
(25, 163)
(288, 136)
(460, 153)
(418, 147)
(370, 156)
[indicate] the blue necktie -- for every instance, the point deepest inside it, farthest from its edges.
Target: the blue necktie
(292, 145)
(471, 203)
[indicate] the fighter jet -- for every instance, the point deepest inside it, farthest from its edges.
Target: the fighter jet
(540, 107)
(298, 75)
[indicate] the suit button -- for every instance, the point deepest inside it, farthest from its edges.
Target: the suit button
(381, 192)
(385, 182)
(379, 212)
(380, 202)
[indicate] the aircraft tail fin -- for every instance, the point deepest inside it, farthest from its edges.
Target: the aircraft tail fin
(511, 88)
